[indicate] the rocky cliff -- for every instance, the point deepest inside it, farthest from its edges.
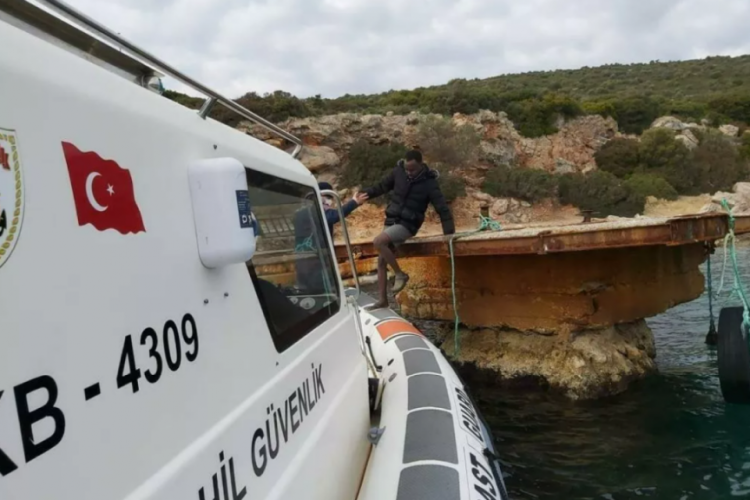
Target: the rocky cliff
(328, 139)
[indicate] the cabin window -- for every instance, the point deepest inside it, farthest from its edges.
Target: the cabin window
(293, 270)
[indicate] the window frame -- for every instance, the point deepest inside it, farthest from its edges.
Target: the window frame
(285, 339)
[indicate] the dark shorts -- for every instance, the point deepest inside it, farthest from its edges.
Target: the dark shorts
(397, 233)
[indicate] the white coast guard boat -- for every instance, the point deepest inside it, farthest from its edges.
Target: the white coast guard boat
(172, 322)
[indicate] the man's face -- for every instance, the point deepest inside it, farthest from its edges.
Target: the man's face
(412, 167)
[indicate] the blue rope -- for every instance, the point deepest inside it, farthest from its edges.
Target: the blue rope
(305, 246)
(738, 288)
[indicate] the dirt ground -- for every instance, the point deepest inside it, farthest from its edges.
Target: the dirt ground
(684, 205)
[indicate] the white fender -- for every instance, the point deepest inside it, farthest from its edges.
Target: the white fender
(434, 443)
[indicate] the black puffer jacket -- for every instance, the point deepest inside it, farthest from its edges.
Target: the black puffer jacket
(409, 198)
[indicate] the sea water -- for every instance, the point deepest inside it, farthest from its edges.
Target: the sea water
(668, 437)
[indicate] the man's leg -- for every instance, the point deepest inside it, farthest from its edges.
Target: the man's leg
(382, 284)
(393, 235)
(382, 242)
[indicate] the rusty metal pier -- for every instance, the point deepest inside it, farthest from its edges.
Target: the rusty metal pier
(546, 239)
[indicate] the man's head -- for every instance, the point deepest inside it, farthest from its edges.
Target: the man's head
(327, 200)
(413, 163)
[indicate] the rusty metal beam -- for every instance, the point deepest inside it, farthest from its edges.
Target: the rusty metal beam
(579, 237)
(742, 224)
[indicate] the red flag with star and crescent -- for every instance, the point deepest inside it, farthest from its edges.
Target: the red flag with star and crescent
(4, 163)
(102, 191)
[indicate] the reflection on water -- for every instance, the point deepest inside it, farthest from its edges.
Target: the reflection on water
(671, 437)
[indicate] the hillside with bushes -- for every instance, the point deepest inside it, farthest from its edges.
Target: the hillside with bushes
(603, 140)
(715, 88)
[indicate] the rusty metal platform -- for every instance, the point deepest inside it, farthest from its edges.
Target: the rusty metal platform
(621, 233)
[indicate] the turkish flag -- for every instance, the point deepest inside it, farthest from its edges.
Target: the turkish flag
(4, 159)
(102, 192)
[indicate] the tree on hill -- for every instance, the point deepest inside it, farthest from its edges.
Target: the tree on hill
(620, 157)
(718, 163)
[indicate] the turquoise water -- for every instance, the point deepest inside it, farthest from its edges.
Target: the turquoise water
(670, 437)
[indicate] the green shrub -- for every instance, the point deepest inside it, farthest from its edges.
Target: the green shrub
(602, 193)
(369, 163)
(523, 183)
(633, 114)
(536, 117)
(453, 186)
(619, 157)
(718, 163)
(662, 154)
(734, 105)
(744, 148)
(651, 185)
(687, 111)
(443, 142)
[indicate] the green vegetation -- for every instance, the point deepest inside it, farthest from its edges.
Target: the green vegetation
(717, 163)
(745, 146)
(452, 185)
(634, 94)
(526, 184)
(662, 154)
(369, 163)
(450, 144)
(662, 166)
(644, 185)
(630, 170)
(619, 157)
(602, 193)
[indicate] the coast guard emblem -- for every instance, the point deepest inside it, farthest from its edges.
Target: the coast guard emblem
(11, 193)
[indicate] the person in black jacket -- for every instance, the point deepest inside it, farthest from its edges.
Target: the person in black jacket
(412, 186)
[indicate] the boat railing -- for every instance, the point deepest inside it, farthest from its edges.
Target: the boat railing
(83, 22)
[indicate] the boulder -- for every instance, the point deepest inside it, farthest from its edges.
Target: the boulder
(564, 167)
(687, 138)
(738, 201)
(729, 130)
(319, 158)
(669, 122)
(500, 207)
(742, 189)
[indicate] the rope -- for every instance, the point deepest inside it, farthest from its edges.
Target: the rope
(485, 223)
(711, 337)
(306, 245)
(738, 288)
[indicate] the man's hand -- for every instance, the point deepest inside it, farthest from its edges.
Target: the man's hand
(360, 197)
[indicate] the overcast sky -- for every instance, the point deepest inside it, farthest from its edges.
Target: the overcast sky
(334, 47)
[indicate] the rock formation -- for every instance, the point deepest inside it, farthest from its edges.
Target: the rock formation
(738, 200)
(684, 131)
(328, 139)
(591, 364)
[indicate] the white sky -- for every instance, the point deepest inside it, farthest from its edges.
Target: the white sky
(334, 47)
